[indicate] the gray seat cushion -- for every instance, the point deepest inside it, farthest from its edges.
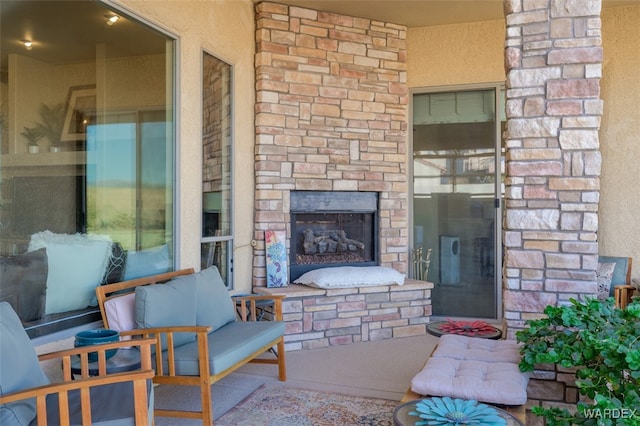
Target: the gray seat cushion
(111, 405)
(228, 345)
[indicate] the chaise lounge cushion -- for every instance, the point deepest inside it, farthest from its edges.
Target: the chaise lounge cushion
(490, 382)
(228, 345)
(19, 368)
(470, 348)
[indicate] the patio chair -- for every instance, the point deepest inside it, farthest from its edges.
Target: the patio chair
(27, 396)
(621, 288)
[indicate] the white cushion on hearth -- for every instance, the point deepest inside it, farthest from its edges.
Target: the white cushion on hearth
(351, 276)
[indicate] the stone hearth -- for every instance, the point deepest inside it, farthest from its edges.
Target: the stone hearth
(317, 318)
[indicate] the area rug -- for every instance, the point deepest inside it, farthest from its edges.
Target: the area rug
(276, 405)
(225, 394)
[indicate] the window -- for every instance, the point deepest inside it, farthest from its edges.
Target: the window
(87, 157)
(217, 239)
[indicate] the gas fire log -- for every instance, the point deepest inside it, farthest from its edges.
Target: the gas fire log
(328, 242)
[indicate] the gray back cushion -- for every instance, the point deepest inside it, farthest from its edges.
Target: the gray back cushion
(214, 305)
(19, 368)
(165, 305)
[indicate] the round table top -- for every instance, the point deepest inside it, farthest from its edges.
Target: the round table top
(401, 416)
(435, 328)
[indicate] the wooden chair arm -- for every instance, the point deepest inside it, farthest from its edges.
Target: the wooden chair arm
(66, 356)
(251, 313)
(152, 331)
(623, 294)
(156, 334)
(82, 383)
(138, 379)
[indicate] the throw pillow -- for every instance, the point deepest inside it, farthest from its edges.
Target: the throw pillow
(115, 265)
(23, 280)
(151, 261)
(604, 274)
(19, 368)
(120, 312)
(76, 267)
(351, 276)
(166, 305)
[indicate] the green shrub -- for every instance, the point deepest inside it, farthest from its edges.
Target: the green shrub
(603, 343)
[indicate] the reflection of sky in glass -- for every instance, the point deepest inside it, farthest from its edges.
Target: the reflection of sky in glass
(111, 154)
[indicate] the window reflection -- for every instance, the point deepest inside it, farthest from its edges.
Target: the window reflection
(86, 162)
(216, 247)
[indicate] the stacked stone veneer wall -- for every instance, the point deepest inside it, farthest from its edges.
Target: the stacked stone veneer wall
(331, 115)
(554, 64)
(317, 318)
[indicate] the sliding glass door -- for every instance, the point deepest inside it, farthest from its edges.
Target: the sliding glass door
(457, 188)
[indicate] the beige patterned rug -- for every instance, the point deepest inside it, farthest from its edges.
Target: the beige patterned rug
(276, 405)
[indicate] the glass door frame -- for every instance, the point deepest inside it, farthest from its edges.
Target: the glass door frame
(499, 89)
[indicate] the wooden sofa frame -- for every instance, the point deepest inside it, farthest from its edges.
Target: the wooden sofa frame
(86, 382)
(247, 312)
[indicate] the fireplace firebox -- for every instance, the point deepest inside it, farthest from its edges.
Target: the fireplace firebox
(331, 229)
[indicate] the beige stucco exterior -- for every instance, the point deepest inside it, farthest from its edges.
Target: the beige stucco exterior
(619, 227)
(455, 54)
(437, 56)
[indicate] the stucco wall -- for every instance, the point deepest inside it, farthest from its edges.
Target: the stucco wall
(619, 232)
(455, 54)
(224, 29)
(474, 53)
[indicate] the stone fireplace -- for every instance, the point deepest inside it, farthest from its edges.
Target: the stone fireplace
(331, 119)
(331, 229)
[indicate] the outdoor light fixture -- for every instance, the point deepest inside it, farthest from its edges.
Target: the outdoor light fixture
(112, 18)
(28, 44)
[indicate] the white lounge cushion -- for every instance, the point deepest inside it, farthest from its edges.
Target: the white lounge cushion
(490, 382)
(475, 348)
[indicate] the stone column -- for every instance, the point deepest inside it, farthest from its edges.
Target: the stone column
(554, 64)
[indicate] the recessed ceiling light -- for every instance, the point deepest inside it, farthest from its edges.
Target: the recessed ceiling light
(112, 18)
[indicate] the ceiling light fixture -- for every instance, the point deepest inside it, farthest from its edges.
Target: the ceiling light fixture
(112, 18)
(28, 44)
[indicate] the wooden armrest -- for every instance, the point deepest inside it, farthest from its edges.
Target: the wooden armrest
(623, 294)
(82, 383)
(138, 379)
(251, 314)
(66, 356)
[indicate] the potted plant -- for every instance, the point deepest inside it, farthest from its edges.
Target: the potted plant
(51, 124)
(602, 343)
(33, 135)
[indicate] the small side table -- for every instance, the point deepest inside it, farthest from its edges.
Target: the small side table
(401, 415)
(435, 329)
(123, 360)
